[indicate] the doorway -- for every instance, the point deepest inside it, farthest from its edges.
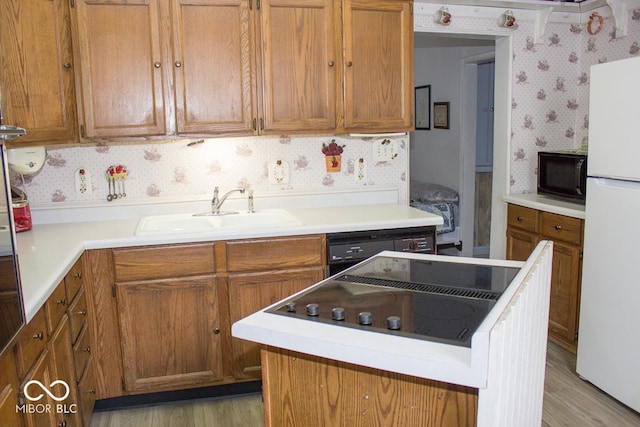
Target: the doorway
(484, 158)
(487, 235)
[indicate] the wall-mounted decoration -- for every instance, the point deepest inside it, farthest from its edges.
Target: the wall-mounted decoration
(595, 23)
(423, 107)
(441, 115)
(442, 16)
(333, 155)
(507, 19)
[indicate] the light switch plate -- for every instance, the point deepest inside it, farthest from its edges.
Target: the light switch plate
(385, 150)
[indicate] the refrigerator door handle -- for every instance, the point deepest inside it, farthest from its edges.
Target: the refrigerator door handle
(617, 184)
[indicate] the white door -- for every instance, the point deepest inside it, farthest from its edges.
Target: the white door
(608, 344)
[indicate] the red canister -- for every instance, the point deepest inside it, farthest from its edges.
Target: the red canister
(21, 210)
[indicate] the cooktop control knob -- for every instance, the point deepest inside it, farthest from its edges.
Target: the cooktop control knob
(393, 323)
(291, 307)
(337, 313)
(313, 309)
(365, 318)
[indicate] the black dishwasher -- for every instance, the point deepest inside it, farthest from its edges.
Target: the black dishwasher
(349, 248)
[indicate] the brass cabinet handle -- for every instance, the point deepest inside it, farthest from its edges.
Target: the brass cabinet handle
(558, 227)
(92, 391)
(87, 349)
(38, 336)
(67, 65)
(82, 312)
(519, 219)
(61, 301)
(178, 64)
(78, 275)
(157, 64)
(216, 331)
(62, 423)
(349, 63)
(332, 63)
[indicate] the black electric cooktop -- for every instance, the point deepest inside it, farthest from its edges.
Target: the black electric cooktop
(439, 301)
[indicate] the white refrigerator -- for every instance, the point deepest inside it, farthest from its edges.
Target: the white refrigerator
(609, 336)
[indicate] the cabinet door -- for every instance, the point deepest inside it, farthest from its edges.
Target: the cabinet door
(378, 65)
(249, 293)
(36, 62)
(121, 76)
(9, 390)
(299, 65)
(170, 333)
(212, 64)
(35, 416)
(61, 354)
(565, 279)
(520, 244)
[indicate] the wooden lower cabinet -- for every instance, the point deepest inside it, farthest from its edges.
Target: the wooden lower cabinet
(9, 390)
(161, 315)
(251, 292)
(67, 412)
(170, 333)
(299, 389)
(38, 413)
(525, 228)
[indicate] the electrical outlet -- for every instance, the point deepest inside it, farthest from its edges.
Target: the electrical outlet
(83, 181)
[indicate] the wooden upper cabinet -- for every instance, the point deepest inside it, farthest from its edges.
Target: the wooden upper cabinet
(212, 64)
(299, 65)
(121, 68)
(36, 71)
(378, 65)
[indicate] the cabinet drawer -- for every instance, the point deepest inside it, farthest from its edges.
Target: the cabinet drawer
(31, 341)
(523, 218)
(78, 315)
(82, 351)
(55, 307)
(73, 280)
(160, 262)
(561, 227)
(276, 253)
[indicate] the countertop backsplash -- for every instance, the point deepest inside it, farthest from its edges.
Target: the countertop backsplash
(185, 168)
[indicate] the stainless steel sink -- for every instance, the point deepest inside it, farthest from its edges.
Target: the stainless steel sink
(203, 223)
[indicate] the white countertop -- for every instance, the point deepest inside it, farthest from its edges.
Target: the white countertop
(415, 357)
(547, 204)
(47, 252)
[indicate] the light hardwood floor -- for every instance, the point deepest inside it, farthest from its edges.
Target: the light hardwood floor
(568, 401)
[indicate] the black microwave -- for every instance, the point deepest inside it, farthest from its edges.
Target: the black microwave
(563, 174)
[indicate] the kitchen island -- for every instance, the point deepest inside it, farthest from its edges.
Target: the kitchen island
(501, 373)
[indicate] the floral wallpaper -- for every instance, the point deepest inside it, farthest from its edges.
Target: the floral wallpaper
(183, 168)
(550, 86)
(550, 105)
(550, 99)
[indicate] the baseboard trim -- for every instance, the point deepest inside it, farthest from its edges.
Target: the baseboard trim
(213, 392)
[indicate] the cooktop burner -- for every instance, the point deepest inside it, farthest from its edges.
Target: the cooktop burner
(432, 300)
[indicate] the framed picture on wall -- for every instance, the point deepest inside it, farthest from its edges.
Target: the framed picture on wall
(423, 107)
(441, 115)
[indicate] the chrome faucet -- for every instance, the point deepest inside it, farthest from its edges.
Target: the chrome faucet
(216, 203)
